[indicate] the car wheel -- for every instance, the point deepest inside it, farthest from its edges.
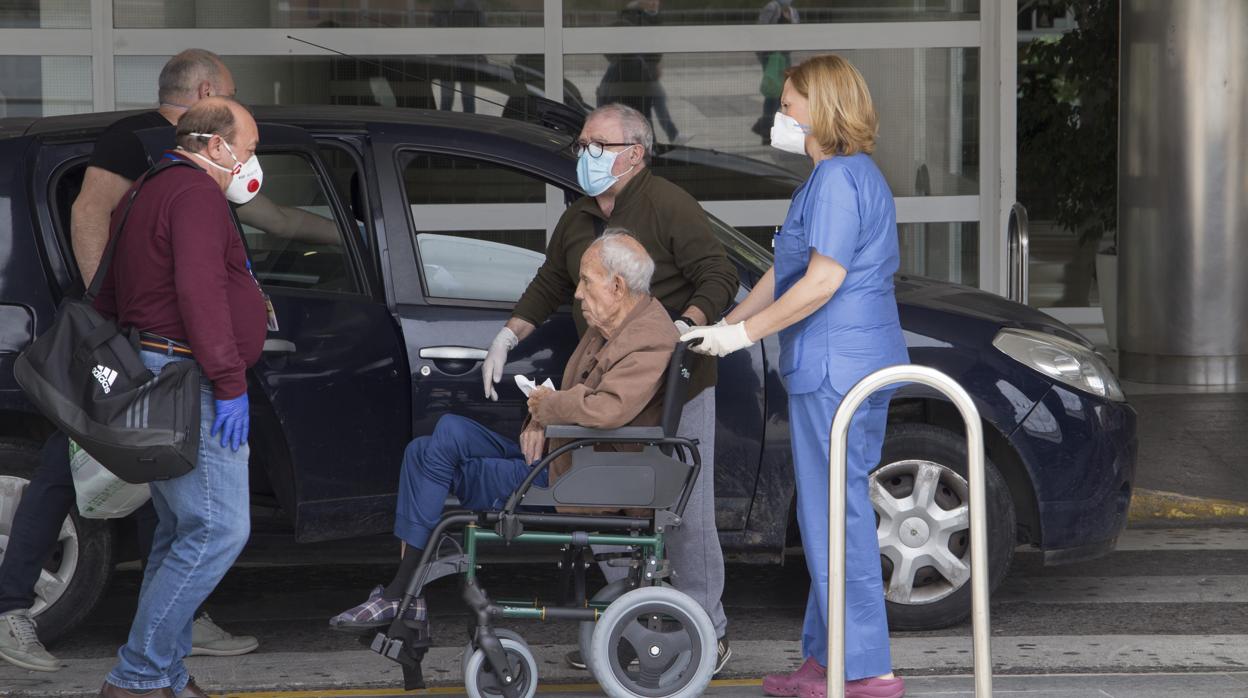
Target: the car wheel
(921, 499)
(77, 570)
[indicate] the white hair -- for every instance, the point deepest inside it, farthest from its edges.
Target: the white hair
(629, 262)
(636, 127)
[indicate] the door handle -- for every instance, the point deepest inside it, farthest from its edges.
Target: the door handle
(278, 346)
(453, 353)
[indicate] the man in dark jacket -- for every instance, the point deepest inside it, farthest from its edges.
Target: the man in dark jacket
(180, 275)
(693, 279)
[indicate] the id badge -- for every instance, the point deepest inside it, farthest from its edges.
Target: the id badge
(271, 323)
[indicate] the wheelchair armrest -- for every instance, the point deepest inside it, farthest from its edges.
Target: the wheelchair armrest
(571, 431)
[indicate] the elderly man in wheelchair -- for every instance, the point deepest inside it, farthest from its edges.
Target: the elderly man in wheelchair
(616, 474)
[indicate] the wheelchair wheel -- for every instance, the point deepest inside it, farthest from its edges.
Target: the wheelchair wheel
(671, 636)
(607, 594)
(479, 679)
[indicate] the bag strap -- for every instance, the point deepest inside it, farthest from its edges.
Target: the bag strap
(107, 258)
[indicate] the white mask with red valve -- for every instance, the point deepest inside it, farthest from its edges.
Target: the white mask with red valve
(245, 177)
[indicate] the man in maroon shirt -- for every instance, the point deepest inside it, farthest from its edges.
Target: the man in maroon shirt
(180, 275)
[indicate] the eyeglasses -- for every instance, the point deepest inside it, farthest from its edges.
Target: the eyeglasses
(595, 148)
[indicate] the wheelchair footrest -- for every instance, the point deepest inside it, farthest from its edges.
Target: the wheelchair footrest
(388, 647)
(408, 651)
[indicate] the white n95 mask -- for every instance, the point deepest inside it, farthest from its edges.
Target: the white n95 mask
(245, 177)
(246, 182)
(788, 135)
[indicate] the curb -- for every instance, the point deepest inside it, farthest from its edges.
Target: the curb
(1171, 507)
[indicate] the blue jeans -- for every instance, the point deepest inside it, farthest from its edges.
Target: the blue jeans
(204, 523)
(481, 467)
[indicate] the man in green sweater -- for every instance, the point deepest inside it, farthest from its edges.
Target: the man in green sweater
(693, 278)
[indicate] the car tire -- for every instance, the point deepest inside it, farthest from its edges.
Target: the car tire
(932, 548)
(76, 573)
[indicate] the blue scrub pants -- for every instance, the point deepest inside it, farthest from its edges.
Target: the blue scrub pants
(866, 625)
(480, 466)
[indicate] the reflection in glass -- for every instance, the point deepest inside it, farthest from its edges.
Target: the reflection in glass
(495, 85)
(205, 14)
(941, 251)
(604, 13)
(45, 14)
(468, 216)
(45, 85)
(928, 101)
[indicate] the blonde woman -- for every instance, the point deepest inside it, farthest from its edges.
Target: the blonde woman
(830, 296)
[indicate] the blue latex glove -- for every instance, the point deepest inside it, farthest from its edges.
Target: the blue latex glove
(233, 420)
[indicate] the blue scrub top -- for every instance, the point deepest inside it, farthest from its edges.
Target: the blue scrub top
(844, 211)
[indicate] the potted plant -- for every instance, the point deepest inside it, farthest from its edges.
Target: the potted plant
(1068, 141)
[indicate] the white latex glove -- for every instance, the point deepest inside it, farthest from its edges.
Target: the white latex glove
(495, 359)
(718, 340)
(682, 326)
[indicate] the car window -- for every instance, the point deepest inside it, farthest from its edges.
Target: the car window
(293, 234)
(344, 176)
(480, 227)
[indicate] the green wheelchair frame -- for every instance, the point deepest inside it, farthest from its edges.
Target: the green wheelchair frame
(671, 638)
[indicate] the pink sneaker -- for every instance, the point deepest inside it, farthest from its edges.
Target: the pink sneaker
(809, 674)
(862, 688)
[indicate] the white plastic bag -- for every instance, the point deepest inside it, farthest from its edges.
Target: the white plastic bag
(101, 494)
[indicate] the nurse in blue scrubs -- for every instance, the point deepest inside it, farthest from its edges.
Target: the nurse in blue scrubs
(830, 297)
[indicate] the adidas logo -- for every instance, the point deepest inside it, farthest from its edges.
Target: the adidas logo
(105, 376)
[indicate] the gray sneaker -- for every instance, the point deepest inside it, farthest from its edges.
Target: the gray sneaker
(207, 638)
(20, 646)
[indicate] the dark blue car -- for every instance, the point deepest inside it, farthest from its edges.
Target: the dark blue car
(441, 219)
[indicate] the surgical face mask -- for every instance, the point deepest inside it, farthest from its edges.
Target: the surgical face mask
(788, 135)
(594, 173)
(245, 177)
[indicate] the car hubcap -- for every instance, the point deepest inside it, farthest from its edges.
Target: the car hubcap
(59, 568)
(923, 531)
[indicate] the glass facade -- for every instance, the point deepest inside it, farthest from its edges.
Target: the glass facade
(481, 84)
(700, 81)
(1067, 149)
(927, 99)
(294, 14)
(608, 13)
(45, 85)
(45, 14)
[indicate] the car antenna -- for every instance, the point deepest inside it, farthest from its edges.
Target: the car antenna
(547, 112)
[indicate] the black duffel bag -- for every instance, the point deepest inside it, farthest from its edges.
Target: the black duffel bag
(84, 373)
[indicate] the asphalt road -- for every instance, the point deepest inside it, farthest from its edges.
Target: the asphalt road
(1168, 601)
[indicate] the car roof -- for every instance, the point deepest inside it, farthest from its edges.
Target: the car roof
(309, 116)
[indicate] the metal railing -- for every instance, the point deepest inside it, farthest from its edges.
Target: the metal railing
(838, 445)
(1019, 241)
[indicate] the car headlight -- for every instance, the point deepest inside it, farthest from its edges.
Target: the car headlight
(1062, 360)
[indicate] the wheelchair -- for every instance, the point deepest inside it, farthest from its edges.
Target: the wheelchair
(638, 635)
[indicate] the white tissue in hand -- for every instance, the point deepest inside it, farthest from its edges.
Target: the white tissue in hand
(526, 385)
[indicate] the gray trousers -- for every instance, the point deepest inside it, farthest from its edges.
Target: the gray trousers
(693, 546)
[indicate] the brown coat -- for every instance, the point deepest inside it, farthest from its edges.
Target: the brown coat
(613, 383)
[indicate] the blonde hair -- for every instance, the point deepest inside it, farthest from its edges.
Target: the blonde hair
(842, 114)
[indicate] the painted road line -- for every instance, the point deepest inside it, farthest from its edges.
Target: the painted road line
(1132, 589)
(1220, 538)
(1155, 505)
